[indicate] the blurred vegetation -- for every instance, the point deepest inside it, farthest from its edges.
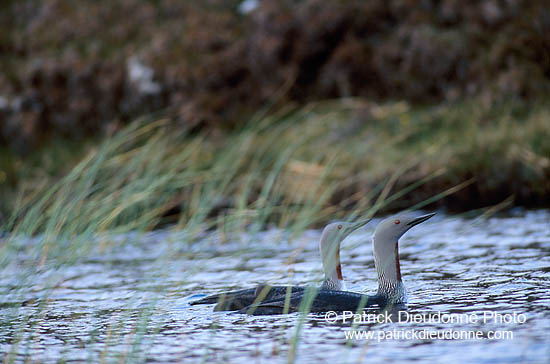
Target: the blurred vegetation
(472, 77)
(294, 165)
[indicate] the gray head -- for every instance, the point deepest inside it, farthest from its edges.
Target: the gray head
(391, 229)
(329, 246)
(386, 252)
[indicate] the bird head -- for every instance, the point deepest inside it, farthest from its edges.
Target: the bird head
(391, 229)
(332, 236)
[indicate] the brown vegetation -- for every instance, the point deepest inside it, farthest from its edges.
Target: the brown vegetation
(64, 65)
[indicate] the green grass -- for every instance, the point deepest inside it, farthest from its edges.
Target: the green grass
(319, 161)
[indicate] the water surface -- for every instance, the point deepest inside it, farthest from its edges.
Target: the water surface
(128, 300)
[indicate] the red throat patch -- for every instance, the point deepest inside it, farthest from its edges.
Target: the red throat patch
(397, 266)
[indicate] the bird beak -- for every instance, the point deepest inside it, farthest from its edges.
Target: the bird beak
(420, 219)
(359, 224)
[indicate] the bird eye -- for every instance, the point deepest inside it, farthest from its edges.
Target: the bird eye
(397, 222)
(339, 227)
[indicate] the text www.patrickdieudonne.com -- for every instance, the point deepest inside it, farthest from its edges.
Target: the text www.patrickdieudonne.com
(428, 334)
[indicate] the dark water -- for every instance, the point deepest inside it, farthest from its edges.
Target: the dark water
(130, 302)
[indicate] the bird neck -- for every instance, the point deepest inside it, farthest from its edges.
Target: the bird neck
(334, 279)
(386, 261)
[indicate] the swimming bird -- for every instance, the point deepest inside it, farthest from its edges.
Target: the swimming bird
(329, 247)
(391, 290)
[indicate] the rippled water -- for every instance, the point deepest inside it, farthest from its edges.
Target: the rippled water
(130, 302)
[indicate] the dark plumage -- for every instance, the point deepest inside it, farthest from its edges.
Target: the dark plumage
(321, 301)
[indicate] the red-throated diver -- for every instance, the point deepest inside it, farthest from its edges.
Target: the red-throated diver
(391, 289)
(329, 247)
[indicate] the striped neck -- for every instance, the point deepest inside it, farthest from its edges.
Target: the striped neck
(333, 284)
(386, 261)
